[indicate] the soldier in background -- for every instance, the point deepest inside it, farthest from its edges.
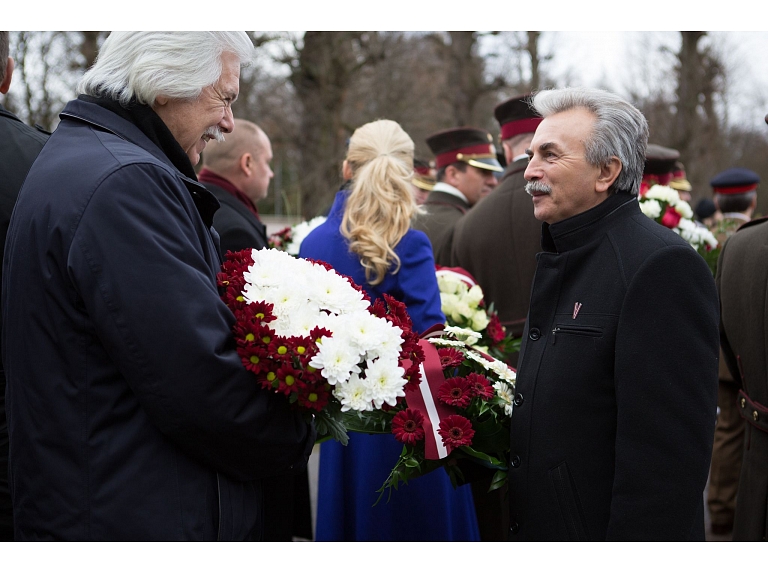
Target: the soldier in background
(498, 240)
(423, 181)
(735, 195)
(659, 167)
(19, 146)
(466, 164)
(680, 183)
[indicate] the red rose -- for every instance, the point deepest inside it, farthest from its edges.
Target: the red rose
(495, 330)
(407, 426)
(671, 218)
(456, 431)
(455, 391)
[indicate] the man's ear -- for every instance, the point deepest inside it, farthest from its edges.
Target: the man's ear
(608, 174)
(6, 85)
(450, 175)
(246, 163)
(161, 100)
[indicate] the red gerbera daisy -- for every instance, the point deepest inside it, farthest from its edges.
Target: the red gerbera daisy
(455, 391)
(480, 386)
(456, 431)
(450, 357)
(407, 426)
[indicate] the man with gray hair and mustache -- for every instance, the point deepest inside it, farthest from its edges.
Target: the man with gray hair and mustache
(131, 416)
(612, 429)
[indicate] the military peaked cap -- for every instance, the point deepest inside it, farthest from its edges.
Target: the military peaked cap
(516, 116)
(735, 181)
(470, 145)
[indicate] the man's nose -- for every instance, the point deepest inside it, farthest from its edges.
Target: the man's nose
(531, 171)
(227, 123)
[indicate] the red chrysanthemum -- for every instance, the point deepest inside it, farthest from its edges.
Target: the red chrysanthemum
(455, 391)
(407, 426)
(255, 358)
(279, 349)
(480, 386)
(456, 431)
(317, 332)
(397, 313)
(288, 379)
(314, 397)
(300, 346)
(495, 330)
(450, 357)
(413, 377)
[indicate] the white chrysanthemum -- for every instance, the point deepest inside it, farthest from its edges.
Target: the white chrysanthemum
(664, 194)
(385, 382)
(650, 208)
(300, 231)
(684, 209)
(390, 340)
(334, 293)
(479, 359)
(365, 331)
(335, 359)
(504, 371)
(469, 336)
(300, 322)
(353, 394)
(506, 393)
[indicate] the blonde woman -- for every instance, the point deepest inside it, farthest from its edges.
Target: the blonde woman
(368, 237)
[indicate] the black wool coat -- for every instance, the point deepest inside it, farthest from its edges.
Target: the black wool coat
(612, 429)
(130, 414)
(237, 226)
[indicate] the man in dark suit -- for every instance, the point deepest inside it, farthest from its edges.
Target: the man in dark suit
(611, 433)
(466, 164)
(498, 240)
(19, 146)
(237, 172)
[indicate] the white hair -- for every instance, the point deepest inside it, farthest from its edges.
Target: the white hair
(145, 65)
(620, 129)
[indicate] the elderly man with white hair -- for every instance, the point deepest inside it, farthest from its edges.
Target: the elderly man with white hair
(130, 414)
(614, 415)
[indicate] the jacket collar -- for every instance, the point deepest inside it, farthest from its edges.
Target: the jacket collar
(585, 227)
(100, 117)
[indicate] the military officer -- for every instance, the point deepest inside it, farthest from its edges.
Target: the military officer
(735, 195)
(466, 164)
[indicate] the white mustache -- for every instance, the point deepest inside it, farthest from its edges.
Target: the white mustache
(537, 186)
(214, 133)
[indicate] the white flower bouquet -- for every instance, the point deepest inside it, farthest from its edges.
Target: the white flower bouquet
(312, 334)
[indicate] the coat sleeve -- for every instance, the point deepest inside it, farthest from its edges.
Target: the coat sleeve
(666, 368)
(140, 262)
(417, 282)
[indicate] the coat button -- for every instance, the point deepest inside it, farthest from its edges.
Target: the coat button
(514, 528)
(743, 402)
(755, 415)
(515, 461)
(534, 333)
(518, 401)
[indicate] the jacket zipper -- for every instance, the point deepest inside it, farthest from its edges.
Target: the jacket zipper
(585, 330)
(218, 492)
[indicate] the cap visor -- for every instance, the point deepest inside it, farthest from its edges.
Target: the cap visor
(491, 164)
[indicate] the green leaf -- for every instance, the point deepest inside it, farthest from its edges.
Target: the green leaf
(498, 481)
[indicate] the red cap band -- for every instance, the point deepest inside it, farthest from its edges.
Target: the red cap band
(512, 129)
(447, 158)
(736, 189)
(660, 179)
